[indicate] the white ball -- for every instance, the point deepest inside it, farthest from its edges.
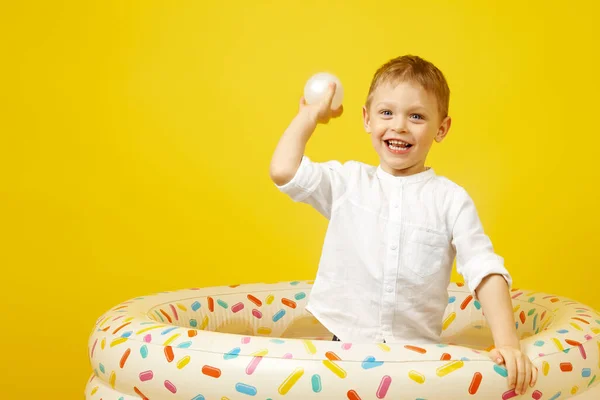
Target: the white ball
(316, 87)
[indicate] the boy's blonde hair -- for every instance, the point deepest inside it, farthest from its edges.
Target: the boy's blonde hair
(417, 70)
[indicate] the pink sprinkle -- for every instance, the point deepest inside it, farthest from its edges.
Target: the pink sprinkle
(148, 338)
(253, 364)
(582, 351)
(237, 307)
(287, 355)
(174, 311)
(386, 381)
(588, 337)
(541, 355)
(170, 387)
(257, 314)
(537, 395)
(346, 346)
(94, 347)
(245, 340)
(509, 395)
(517, 295)
(146, 376)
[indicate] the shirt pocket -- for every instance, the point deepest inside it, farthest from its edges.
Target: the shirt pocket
(427, 251)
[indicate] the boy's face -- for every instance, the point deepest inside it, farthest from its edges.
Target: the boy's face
(403, 121)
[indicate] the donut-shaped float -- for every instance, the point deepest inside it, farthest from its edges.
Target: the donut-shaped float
(257, 341)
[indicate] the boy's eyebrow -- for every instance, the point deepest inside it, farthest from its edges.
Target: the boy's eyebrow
(412, 107)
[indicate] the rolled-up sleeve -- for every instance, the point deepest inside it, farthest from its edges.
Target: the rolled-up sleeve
(475, 256)
(317, 184)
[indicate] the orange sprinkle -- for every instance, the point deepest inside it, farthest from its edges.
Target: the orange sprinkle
(169, 353)
(582, 320)
(446, 357)
(332, 356)
(466, 302)
(417, 349)
(255, 300)
(192, 333)
(137, 391)
(522, 317)
(211, 371)
(166, 315)
(211, 304)
(124, 358)
(121, 327)
(289, 303)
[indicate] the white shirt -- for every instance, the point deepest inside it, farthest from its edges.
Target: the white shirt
(388, 252)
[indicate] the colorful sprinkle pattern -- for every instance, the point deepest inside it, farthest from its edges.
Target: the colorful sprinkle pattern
(257, 341)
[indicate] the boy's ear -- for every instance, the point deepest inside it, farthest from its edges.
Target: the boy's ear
(443, 129)
(366, 119)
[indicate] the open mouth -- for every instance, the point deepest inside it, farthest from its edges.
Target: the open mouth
(397, 146)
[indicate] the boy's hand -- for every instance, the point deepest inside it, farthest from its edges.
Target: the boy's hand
(521, 371)
(321, 112)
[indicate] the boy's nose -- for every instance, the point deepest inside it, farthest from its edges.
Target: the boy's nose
(399, 124)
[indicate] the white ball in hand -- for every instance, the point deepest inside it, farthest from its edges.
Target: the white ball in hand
(316, 87)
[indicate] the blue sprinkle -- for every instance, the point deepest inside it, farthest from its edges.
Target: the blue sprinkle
(102, 368)
(441, 345)
(370, 362)
(168, 330)
(144, 351)
(222, 303)
(245, 389)
(556, 396)
(193, 323)
(121, 398)
(316, 383)
(586, 372)
(451, 299)
(196, 305)
(464, 359)
(294, 283)
(566, 350)
(199, 397)
(477, 304)
(277, 341)
(539, 343)
(300, 296)
(517, 324)
(278, 315)
(562, 331)
(501, 370)
(184, 345)
(127, 334)
(232, 354)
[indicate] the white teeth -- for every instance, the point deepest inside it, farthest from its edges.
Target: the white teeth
(397, 142)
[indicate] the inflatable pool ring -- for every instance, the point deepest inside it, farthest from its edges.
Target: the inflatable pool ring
(257, 341)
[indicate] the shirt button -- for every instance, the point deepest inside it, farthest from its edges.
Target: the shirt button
(389, 289)
(393, 247)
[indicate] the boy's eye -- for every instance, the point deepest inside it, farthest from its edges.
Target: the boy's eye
(385, 112)
(417, 116)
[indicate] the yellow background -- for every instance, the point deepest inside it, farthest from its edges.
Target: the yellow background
(136, 139)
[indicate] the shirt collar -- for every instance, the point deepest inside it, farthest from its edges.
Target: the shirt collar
(421, 176)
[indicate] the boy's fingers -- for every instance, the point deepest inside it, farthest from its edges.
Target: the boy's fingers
(534, 376)
(337, 112)
(521, 375)
(510, 364)
(527, 379)
(496, 356)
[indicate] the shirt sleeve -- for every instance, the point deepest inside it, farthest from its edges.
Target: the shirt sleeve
(475, 256)
(317, 184)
